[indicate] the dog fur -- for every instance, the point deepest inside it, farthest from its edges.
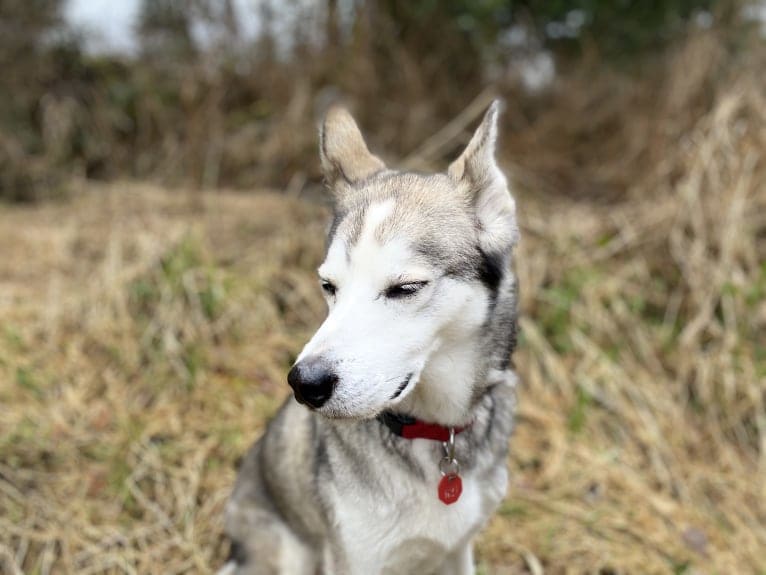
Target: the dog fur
(422, 322)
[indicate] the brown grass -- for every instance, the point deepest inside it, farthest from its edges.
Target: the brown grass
(145, 335)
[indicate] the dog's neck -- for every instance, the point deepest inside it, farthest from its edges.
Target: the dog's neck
(450, 383)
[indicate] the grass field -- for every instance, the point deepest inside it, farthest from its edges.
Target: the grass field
(145, 335)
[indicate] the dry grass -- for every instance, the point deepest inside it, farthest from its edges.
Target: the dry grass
(144, 338)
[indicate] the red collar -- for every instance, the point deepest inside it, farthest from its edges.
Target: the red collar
(411, 428)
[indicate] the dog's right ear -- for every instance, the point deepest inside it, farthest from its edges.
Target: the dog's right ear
(342, 150)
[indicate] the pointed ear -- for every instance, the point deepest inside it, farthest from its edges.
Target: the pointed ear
(479, 178)
(342, 149)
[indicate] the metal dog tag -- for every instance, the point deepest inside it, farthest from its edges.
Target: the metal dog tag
(450, 488)
(450, 485)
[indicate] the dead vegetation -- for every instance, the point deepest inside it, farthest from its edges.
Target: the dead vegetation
(145, 334)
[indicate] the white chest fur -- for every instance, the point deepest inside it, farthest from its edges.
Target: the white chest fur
(403, 527)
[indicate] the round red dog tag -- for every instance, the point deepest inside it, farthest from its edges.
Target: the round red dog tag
(450, 488)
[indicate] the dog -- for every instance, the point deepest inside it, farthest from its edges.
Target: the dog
(391, 454)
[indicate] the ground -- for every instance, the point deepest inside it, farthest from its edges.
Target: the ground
(145, 335)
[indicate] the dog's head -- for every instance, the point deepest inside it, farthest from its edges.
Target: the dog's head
(413, 266)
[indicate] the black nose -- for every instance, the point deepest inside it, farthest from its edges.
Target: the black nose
(313, 381)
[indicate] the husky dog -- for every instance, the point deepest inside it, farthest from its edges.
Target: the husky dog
(392, 454)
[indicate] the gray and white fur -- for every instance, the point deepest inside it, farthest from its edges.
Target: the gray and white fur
(422, 322)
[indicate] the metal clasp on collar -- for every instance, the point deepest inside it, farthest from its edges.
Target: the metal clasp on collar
(449, 465)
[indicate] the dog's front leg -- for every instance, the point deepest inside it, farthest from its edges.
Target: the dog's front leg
(459, 562)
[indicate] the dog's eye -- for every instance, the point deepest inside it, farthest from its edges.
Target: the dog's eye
(404, 290)
(329, 288)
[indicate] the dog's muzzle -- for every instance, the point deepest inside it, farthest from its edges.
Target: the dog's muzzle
(313, 381)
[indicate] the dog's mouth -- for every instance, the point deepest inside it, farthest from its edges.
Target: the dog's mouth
(334, 411)
(402, 386)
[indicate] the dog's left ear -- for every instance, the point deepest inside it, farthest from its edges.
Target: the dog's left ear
(343, 151)
(478, 176)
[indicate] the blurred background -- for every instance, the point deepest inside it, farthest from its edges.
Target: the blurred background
(162, 215)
